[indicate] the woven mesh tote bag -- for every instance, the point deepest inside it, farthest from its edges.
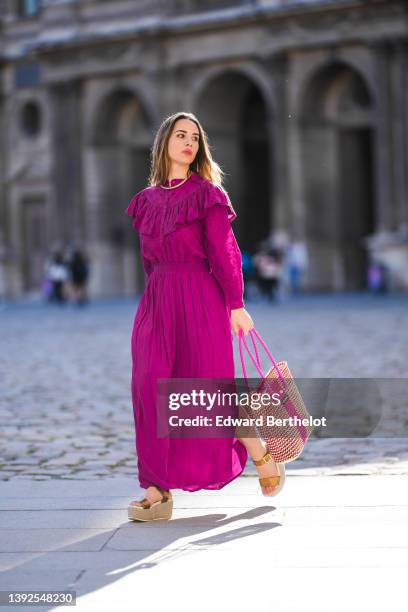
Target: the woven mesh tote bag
(285, 440)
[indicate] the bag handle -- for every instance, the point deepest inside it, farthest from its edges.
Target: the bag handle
(257, 363)
(256, 353)
(275, 365)
(256, 350)
(257, 360)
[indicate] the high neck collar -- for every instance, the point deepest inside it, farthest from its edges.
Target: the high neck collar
(174, 181)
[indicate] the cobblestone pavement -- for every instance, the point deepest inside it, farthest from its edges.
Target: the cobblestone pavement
(65, 381)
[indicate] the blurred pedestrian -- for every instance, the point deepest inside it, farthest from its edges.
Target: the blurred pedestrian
(47, 286)
(377, 278)
(79, 272)
(248, 271)
(297, 262)
(268, 265)
(57, 274)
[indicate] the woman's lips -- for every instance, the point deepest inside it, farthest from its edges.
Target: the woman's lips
(187, 152)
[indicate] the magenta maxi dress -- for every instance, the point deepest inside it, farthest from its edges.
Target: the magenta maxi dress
(182, 325)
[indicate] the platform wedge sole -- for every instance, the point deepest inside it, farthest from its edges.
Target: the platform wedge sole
(158, 511)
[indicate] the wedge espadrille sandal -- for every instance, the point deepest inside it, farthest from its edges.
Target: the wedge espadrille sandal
(159, 510)
(271, 481)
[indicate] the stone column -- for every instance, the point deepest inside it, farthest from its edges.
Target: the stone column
(399, 75)
(296, 187)
(66, 149)
(3, 200)
(382, 144)
(278, 130)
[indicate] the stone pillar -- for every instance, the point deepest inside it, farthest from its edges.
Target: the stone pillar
(278, 130)
(66, 171)
(390, 242)
(296, 188)
(399, 76)
(3, 277)
(98, 250)
(383, 152)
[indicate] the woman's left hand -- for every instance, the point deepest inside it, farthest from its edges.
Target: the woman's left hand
(241, 319)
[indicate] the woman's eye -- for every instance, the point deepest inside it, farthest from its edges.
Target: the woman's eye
(195, 137)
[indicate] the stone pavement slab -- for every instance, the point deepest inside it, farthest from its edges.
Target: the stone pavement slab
(328, 542)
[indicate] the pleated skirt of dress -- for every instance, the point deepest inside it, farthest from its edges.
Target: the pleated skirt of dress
(181, 329)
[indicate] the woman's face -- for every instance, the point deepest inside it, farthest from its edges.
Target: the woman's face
(183, 143)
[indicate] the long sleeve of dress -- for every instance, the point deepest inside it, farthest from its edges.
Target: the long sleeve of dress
(224, 255)
(147, 266)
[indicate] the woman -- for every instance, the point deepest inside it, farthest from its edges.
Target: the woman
(182, 327)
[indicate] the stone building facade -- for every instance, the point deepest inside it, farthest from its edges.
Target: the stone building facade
(305, 104)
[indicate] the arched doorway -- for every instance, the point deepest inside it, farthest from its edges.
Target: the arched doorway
(337, 153)
(120, 152)
(233, 112)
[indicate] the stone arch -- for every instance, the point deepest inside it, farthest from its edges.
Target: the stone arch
(253, 72)
(236, 107)
(336, 139)
(311, 69)
(109, 104)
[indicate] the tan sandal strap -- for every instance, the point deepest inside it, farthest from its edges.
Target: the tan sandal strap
(265, 459)
(165, 493)
(269, 481)
(145, 504)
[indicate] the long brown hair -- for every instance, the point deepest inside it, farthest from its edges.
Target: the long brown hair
(203, 163)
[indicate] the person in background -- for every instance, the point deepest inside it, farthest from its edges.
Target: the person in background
(269, 268)
(79, 272)
(58, 275)
(47, 287)
(297, 262)
(248, 271)
(377, 278)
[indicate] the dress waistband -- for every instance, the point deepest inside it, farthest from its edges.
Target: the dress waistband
(193, 266)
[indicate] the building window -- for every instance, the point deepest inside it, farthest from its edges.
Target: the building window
(30, 119)
(29, 8)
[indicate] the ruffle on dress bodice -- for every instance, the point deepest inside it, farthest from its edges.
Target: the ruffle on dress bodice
(154, 215)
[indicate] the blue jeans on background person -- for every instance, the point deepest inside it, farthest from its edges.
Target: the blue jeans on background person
(294, 277)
